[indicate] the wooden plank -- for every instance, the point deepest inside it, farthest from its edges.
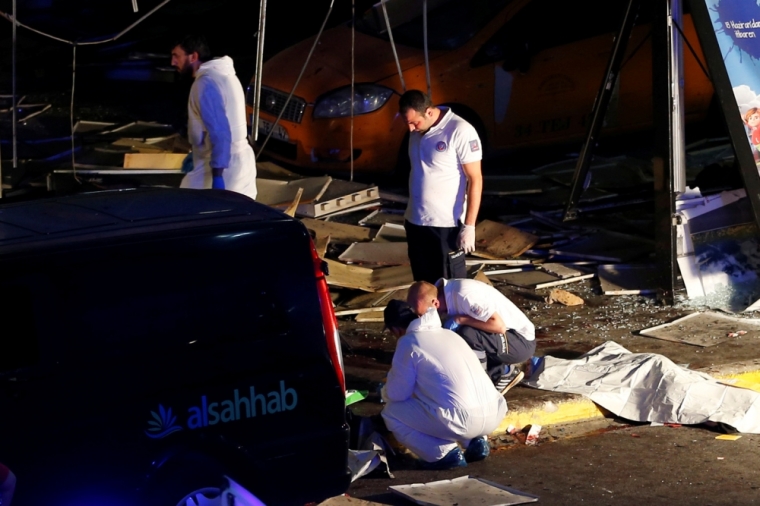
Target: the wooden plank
(338, 232)
(564, 281)
(499, 241)
(370, 300)
(376, 253)
(291, 209)
(481, 261)
(560, 270)
(376, 316)
(628, 279)
(481, 276)
(154, 160)
(361, 310)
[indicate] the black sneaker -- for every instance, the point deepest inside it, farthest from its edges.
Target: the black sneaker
(508, 380)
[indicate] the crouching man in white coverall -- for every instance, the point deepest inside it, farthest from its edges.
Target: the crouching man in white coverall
(437, 394)
(216, 125)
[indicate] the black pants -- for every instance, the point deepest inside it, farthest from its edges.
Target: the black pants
(489, 347)
(433, 253)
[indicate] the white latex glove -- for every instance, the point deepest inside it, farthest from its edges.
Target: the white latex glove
(384, 395)
(466, 239)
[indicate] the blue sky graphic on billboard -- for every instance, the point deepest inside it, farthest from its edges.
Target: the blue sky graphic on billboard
(737, 29)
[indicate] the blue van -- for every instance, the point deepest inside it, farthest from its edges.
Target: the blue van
(159, 340)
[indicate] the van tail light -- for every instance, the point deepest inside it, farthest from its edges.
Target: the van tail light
(329, 319)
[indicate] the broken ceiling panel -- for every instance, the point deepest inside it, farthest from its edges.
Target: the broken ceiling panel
(382, 279)
(376, 253)
(390, 232)
(536, 279)
(496, 240)
(277, 193)
(338, 232)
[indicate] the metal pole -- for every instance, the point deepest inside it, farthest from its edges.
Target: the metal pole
(581, 177)
(676, 51)
(13, 90)
(259, 64)
(425, 44)
(668, 143)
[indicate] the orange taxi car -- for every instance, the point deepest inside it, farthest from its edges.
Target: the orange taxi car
(524, 72)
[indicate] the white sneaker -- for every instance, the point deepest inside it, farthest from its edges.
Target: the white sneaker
(509, 379)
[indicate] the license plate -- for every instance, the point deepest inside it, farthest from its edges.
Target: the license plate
(279, 133)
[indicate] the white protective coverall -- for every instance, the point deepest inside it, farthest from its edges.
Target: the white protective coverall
(437, 392)
(218, 131)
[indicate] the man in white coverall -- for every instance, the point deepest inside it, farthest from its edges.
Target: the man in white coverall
(216, 124)
(437, 395)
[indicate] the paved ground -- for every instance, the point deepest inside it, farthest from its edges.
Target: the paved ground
(617, 465)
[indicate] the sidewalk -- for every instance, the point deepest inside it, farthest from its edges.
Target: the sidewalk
(567, 332)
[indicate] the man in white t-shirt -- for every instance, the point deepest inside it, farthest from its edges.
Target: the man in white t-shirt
(495, 329)
(445, 187)
(437, 395)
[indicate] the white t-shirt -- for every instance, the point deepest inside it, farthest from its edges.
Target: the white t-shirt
(437, 183)
(480, 300)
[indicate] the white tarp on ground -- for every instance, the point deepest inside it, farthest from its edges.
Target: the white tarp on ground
(647, 387)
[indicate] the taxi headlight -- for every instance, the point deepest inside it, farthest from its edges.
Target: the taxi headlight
(337, 103)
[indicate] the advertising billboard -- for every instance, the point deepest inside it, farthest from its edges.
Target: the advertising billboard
(729, 32)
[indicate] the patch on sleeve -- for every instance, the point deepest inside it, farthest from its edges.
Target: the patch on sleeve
(477, 310)
(474, 145)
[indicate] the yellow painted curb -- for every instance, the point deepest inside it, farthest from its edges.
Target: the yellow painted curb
(750, 380)
(581, 409)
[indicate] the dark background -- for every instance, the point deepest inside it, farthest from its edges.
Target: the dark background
(131, 77)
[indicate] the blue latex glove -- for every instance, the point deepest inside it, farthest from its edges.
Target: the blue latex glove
(187, 163)
(217, 183)
(450, 324)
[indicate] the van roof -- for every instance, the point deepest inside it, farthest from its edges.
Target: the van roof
(111, 210)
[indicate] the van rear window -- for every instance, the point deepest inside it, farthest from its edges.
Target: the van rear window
(239, 286)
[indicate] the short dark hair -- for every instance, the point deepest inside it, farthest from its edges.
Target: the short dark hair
(193, 44)
(414, 99)
(398, 314)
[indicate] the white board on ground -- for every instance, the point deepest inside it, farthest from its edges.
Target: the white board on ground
(463, 490)
(704, 329)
